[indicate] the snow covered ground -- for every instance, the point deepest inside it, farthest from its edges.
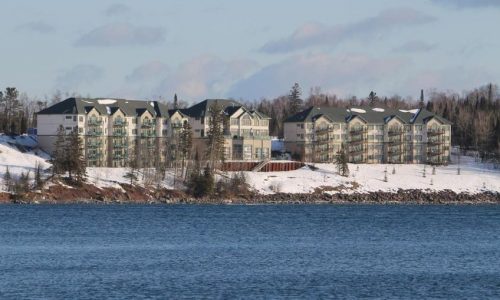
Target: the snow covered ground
(474, 177)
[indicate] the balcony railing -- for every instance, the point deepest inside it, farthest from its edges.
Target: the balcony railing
(94, 144)
(95, 133)
(120, 145)
(148, 134)
(120, 123)
(395, 131)
(357, 130)
(119, 133)
(93, 155)
(147, 124)
(435, 132)
(94, 122)
(356, 150)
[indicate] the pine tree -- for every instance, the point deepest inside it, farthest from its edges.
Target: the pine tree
(215, 135)
(421, 103)
(186, 144)
(295, 103)
(76, 163)
(59, 154)
(38, 177)
(372, 98)
(176, 102)
(7, 179)
(341, 162)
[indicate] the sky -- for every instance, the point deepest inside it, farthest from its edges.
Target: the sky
(249, 50)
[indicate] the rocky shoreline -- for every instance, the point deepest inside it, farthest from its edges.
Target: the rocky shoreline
(128, 194)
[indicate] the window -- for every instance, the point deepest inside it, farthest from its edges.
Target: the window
(418, 127)
(134, 121)
(134, 131)
(68, 128)
(202, 134)
(418, 138)
(80, 130)
(68, 117)
(74, 118)
(80, 119)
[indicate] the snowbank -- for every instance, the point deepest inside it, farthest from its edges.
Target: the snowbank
(474, 177)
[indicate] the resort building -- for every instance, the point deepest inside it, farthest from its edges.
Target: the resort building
(112, 129)
(246, 131)
(116, 132)
(368, 135)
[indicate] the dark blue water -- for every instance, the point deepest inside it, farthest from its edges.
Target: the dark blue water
(120, 252)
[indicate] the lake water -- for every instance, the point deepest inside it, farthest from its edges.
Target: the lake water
(331, 251)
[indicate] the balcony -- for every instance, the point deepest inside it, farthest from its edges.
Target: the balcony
(323, 130)
(356, 150)
(119, 156)
(119, 133)
(435, 142)
(94, 122)
(120, 123)
(148, 124)
(435, 132)
(396, 141)
(357, 130)
(95, 133)
(120, 145)
(395, 131)
(94, 144)
(148, 134)
(357, 141)
(93, 156)
(432, 153)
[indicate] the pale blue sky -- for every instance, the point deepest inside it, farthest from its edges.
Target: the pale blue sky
(247, 49)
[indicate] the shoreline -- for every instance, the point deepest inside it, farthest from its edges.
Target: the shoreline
(128, 194)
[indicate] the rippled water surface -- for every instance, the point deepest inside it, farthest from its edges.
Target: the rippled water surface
(131, 252)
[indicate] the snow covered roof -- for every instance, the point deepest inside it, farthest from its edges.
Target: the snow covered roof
(106, 107)
(377, 115)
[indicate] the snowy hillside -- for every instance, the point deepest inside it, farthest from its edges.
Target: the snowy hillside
(17, 161)
(474, 177)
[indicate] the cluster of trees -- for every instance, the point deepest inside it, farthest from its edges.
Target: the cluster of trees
(68, 156)
(24, 182)
(475, 114)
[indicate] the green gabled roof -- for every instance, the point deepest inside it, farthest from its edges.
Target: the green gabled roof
(369, 114)
(106, 106)
(199, 110)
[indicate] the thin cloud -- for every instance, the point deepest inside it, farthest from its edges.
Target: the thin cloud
(116, 9)
(468, 3)
(80, 75)
(37, 27)
(316, 34)
(415, 46)
(122, 34)
(148, 71)
(342, 74)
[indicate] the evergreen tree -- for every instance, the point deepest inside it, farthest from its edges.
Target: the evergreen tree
(75, 161)
(176, 102)
(7, 179)
(341, 162)
(59, 154)
(295, 103)
(186, 144)
(372, 98)
(215, 135)
(421, 103)
(38, 177)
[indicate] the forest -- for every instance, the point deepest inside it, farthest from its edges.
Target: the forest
(475, 114)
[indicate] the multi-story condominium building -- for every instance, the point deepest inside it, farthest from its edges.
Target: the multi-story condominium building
(246, 131)
(112, 129)
(368, 135)
(116, 132)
